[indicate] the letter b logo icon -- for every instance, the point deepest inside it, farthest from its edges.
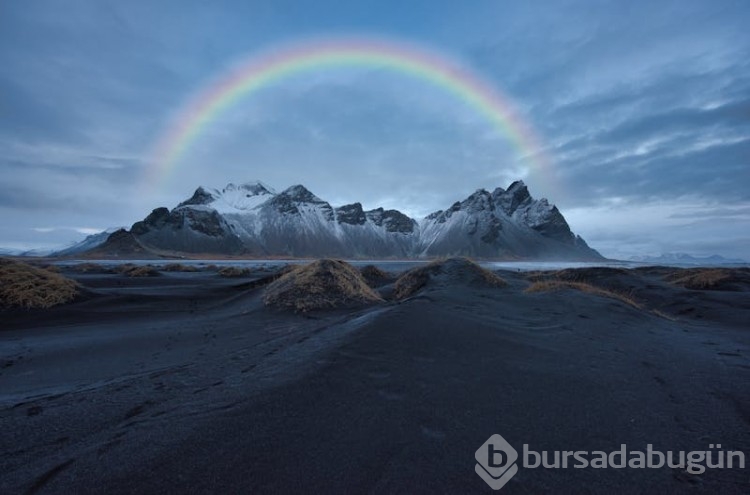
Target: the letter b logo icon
(496, 462)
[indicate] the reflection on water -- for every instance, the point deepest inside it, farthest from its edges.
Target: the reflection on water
(388, 265)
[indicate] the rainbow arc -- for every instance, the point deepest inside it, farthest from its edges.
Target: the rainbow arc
(262, 70)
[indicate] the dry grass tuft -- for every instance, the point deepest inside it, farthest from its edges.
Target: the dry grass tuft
(375, 276)
(234, 271)
(90, 268)
(322, 284)
(131, 270)
(26, 286)
(451, 270)
(593, 275)
(701, 278)
(373, 272)
(178, 267)
(553, 285)
(410, 283)
(662, 314)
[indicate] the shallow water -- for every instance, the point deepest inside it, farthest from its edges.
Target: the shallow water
(388, 265)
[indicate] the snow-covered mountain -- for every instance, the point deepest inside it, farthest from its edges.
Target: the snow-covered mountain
(687, 259)
(30, 253)
(90, 242)
(10, 251)
(253, 219)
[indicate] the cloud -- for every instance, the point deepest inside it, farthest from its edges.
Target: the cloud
(645, 102)
(17, 198)
(732, 211)
(80, 230)
(622, 229)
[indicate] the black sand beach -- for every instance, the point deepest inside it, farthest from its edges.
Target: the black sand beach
(187, 383)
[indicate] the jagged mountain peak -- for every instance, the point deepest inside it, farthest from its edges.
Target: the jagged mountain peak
(300, 193)
(351, 214)
(254, 187)
(392, 220)
(516, 184)
(518, 194)
(297, 200)
(233, 197)
(201, 196)
(480, 194)
(478, 200)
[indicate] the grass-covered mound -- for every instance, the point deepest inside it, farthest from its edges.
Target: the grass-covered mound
(26, 286)
(447, 271)
(613, 283)
(178, 267)
(553, 285)
(132, 270)
(710, 278)
(599, 276)
(234, 271)
(375, 276)
(322, 284)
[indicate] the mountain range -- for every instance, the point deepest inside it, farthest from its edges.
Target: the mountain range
(252, 219)
(676, 259)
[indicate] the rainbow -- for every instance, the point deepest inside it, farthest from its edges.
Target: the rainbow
(267, 68)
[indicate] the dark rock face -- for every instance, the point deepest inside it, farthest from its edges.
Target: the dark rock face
(207, 222)
(120, 243)
(555, 227)
(289, 201)
(351, 214)
(517, 195)
(285, 205)
(252, 219)
(480, 201)
(158, 218)
(199, 197)
(392, 220)
(435, 215)
(492, 231)
(187, 229)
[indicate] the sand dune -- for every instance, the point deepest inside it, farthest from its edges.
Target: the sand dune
(186, 382)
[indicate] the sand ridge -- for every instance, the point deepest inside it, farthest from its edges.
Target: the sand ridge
(214, 391)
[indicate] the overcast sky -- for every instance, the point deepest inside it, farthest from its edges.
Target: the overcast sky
(642, 106)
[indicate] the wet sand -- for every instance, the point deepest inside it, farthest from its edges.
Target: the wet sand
(186, 383)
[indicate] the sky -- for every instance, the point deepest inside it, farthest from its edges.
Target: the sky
(642, 108)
